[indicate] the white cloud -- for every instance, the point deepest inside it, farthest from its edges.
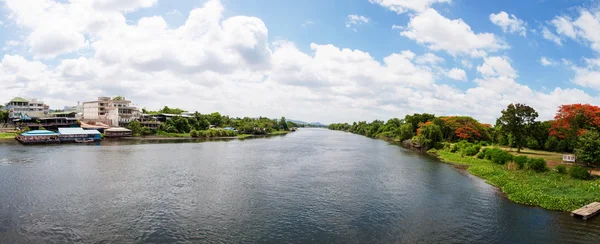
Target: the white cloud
(564, 26)
(547, 62)
(457, 74)
(509, 23)
(429, 58)
(453, 36)
(584, 27)
(402, 6)
(589, 75)
(548, 35)
(354, 20)
(174, 12)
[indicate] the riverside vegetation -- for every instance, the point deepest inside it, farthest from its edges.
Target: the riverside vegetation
(481, 148)
(212, 125)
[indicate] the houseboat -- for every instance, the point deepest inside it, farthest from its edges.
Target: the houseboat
(38, 137)
(78, 135)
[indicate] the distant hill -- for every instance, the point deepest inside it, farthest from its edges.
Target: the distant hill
(300, 122)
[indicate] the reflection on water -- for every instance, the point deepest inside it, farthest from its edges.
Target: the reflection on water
(311, 186)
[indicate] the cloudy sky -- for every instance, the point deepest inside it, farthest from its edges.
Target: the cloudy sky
(313, 60)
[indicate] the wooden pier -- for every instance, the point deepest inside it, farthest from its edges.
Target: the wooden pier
(587, 211)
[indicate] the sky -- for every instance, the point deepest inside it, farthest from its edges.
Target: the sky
(313, 60)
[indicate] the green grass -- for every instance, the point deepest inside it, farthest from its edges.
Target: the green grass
(279, 132)
(242, 136)
(4, 135)
(548, 156)
(167, 134)
(549, 190)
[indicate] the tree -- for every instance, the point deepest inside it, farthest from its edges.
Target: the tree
(588, 147)
(574, 120)
(283, 124)
(416, 119)
(431, 132)
(118, 98)
(406, 132)
(516, 120)
(135, 128)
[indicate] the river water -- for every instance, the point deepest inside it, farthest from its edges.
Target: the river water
(311, 186)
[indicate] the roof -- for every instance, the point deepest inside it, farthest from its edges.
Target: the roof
(77, 131)
(39, 133)
(117, 129)
(59, 113)
(19, 99)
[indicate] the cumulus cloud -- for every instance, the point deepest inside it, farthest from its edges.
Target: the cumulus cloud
(439, 33)
(509, 23)
(457, 74)
(584, 27)
(403, 6)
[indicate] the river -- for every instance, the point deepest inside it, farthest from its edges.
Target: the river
(310, 186)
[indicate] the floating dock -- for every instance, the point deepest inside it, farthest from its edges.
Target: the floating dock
(587, 211)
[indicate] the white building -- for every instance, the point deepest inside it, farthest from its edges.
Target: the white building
(111, 111)
(19, 108)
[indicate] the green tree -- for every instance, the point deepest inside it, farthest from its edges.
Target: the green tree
(416, 119)
(588, 147)
(136, 128)
(432, 134)
(406, 132)
(118, 98)
(517, 119)
(283, 124)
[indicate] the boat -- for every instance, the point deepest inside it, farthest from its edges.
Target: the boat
(84, 140)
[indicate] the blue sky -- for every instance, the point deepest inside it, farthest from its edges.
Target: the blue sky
(273, 57)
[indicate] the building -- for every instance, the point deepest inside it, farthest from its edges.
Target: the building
(20, 108)
(77, 134)
(111, 111)
(118, 132)
(77, 109)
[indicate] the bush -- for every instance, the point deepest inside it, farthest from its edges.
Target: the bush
(537, 164)
(501, 157)
(561, 168)
(194, 133)
(471, 151)
(484, 143)
(578, 172)
(521, 161)
(439, 145)
(496, 155)
(454, 148)
(481, 154)
(532, 144)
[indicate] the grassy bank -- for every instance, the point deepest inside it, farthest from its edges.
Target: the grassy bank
(279, 132)
(167, 134)
(548, 156)
(549, 190)
(4, 135)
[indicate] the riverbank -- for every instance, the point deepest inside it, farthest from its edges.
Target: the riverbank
(4, 135)
(550, 190)
(175, 136)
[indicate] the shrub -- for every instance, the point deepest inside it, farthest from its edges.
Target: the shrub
(537, 164)
(501, 157)
(561, 168)
(454, 148)
(484, 143)
(579, 172)
(194, 133)
(439, 145)
(521, 161)
(471, 151)
(481, 154)
(532, 143)
(498, 156)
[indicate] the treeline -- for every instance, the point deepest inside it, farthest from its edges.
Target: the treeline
(574, 129)
(200, 124)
